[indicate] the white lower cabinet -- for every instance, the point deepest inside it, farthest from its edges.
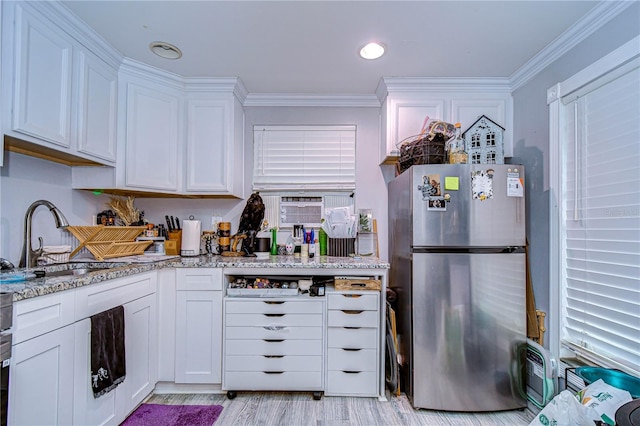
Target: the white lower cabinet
(50, 373)
(274, 344)
(353, 349)
(198, 325)
(141, 367)
(41, 379)
(87, 410)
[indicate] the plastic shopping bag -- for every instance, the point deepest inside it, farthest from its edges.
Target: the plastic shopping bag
(563, 410)
(603, 400)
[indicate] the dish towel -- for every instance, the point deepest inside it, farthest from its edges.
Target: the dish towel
(108, 367)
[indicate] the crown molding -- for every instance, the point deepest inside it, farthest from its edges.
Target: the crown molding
(216, 85)
(310, 100)
(56, 12)
(412, 85)
(597, 17)
(143, 71)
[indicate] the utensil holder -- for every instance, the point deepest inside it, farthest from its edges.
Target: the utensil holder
(173, 245)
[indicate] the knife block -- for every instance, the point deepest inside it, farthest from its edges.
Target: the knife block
(173, 245)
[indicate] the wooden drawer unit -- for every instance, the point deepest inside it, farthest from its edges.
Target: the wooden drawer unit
(275, 344)
(353, 343)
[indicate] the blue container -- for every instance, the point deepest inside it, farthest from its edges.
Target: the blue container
(615, 378)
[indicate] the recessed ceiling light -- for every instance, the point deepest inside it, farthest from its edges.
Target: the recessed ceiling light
(372, 50)
(165, 50)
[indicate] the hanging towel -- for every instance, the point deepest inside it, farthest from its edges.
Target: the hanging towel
(108, 367)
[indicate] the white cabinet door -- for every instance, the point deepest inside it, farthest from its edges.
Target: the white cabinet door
(499, 109)
(214, 163)
(41, 380)
(198, 337)
(152, 138)
(109, 409)
(141, 343)
(209, 145)
(141, 366)
(405, 118)
(43, 69)
(96, 102)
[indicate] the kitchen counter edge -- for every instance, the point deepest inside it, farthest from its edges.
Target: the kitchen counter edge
(43, 286)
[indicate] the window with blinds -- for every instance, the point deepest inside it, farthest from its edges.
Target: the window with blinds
(600, 220)
(295, 158)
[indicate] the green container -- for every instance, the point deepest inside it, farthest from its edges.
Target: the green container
(322, 240)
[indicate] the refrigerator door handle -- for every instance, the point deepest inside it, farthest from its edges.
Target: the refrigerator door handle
(485, 250)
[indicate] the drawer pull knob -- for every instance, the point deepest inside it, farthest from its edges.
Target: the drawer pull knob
(351, 372)
(273, 302)
(352, 312)
(273, 315)
(274, 327)
(273, 372)
(351, 349)
(273, 340)
(273, 356)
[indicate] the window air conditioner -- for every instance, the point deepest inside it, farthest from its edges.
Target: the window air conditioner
(305, 210)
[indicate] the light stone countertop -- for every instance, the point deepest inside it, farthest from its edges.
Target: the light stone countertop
(123, 267)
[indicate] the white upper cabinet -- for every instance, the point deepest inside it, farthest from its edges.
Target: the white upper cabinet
(42, 89)
(96, 99)
(407, 102)
(60, 97)
(152, 136)
(175, 136)
(214, 144)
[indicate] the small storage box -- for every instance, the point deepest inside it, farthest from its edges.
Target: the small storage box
(357, 284)
(340, 247)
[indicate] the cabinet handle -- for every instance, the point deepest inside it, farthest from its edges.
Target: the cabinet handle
(352, 312)
(351, 372)
(352, 295)
(274, 327)
(273, 315)
(273, 340)
(273, 372)
(273, 356)
(352, 328)
(273, 302)
(351, 349)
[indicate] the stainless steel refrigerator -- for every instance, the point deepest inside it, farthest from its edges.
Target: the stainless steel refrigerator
(457, 238)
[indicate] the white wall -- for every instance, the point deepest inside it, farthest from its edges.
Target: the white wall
(371, 189)
(25, 179)
(531, 135)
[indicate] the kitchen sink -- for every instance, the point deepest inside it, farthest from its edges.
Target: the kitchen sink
(76, 271)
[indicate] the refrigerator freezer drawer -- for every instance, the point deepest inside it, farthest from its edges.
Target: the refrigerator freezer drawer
(469, 337)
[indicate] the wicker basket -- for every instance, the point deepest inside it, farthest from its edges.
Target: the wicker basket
(421, 150)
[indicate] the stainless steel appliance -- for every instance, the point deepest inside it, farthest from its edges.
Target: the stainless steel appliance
(457, 237)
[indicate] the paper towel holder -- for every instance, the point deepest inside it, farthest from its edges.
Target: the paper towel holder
(190, 238)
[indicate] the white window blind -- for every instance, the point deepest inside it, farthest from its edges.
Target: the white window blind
(601, 221)
(304, 158)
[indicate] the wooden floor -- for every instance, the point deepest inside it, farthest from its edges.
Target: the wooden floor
(299, 408)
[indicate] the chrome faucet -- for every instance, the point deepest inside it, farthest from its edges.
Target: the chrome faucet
(29, 257)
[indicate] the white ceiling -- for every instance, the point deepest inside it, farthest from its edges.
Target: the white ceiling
(310, 47)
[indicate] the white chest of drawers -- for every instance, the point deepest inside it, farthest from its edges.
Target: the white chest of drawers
(353, 348)
(273, 344)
